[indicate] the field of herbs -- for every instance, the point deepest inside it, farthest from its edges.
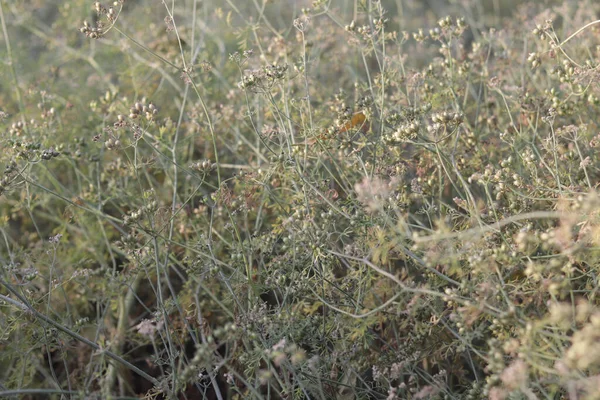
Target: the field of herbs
(297, 199)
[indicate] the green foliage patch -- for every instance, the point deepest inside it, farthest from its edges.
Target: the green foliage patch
(299, 200)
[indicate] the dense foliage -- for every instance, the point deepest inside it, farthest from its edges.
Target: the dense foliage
(252, 199)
